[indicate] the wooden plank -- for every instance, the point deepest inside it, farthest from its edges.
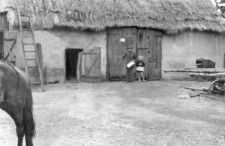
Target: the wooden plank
(207, 74)
(39, 55)
(114, 66)
(158, 45)
(79, 67)
(198, 70)
(1, 45)
(224, 60)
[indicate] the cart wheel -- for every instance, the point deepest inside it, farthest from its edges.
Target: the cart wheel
(216, 88)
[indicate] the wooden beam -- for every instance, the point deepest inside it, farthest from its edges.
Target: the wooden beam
(207, 74)
(198, 70)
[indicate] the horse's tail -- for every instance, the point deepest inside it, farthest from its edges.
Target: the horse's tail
(28, 119)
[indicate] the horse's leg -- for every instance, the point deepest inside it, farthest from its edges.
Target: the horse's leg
(29, 123)
(19, 127)
(17, 116)
(29, 141)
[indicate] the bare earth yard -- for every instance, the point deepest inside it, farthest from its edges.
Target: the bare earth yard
(121, 114)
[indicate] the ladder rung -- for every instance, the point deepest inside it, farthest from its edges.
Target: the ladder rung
(32, 66)
(24, 31)
(27, 36)
(30, 59)
(35, 83)
(9, 39)
(27, 29)
(25, 22)
(28, 44)
(24, 15)
(29, 51)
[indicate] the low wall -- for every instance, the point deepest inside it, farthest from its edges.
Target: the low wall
(181, 51)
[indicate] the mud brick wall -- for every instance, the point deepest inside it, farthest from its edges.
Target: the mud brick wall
(54, 43)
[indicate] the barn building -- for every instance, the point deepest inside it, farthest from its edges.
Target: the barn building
(86, 39)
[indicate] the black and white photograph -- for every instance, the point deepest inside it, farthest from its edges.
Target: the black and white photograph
(112, 72)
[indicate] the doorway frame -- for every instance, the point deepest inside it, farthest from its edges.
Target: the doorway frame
(78, 69)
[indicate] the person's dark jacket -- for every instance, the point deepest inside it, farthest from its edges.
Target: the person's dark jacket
(129, 56)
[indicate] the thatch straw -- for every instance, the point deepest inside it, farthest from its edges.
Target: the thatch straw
(168, 15)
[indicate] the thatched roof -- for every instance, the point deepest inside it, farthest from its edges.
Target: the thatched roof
(171, 16)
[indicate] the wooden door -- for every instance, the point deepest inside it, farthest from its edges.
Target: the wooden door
(149, 45)
(10, 39)
(118, 40)
(91, 65)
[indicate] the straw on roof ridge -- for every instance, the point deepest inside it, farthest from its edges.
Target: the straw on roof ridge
(168, 15)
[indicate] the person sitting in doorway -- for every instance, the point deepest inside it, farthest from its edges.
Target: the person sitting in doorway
(129, 58)
(140, 64)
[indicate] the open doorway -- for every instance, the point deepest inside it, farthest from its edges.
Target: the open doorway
(72, 63)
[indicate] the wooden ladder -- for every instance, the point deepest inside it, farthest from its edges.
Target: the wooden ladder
(31, 58)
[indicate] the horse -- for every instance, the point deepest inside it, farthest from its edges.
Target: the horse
(16, 100)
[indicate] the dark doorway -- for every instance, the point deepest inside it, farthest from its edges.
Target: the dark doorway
(72, 59)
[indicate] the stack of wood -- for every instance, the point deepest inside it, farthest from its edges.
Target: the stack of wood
(202, 72)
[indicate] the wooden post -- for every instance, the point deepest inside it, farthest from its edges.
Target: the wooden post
(81, 66)
(224, 60)
(46, 74)
(1, 45)
(39, 55)
(78, 67)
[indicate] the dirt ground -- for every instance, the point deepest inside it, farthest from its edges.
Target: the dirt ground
(122, 114)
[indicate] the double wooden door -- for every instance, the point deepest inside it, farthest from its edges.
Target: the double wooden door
(145, 42)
